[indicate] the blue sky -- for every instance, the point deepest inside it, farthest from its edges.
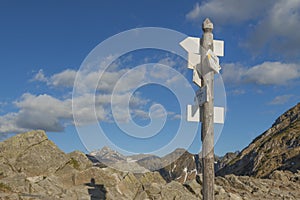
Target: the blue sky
(44, 45)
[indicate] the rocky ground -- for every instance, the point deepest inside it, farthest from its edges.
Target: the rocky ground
(32, 167)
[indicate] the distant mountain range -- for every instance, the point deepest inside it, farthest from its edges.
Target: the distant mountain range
(278, 148)
(33, 167)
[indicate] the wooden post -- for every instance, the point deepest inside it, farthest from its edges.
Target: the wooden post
(207, 109)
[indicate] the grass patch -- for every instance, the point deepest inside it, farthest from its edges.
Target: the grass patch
(74, 163)
(5, 188)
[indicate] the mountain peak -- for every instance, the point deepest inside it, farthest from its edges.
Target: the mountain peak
(289, 116)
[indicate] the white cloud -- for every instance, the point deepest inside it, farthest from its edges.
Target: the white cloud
(52, 114)
(89, 109)
(42, 112)
(233, 72)
(279, 100)
(94, 100)
(65, 78)
(103, 81)
(40, 76)
(267, 73)
(8, 124)
(195, 13)
(169, 61)
(238, 92)
(107, 81)
(229, 11)
(131, 79)
(278, 28)
(157, 111)
(273, 24)
(160, 72)
(177, 117)
(273, 73)
(174, 80)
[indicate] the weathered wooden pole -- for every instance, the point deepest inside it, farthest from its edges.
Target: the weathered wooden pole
(203, 59)
(207, 115)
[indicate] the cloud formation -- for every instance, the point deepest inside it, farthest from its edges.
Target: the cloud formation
(103, 89)
(65, 78)
(230, 11)
(267, 73)
(271, 24)
(52, 114)
(37, 112)
(278, 29)
(40, 76)
(280, 100)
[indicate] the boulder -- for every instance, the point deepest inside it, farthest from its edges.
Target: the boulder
(175, 190)
(31, 153)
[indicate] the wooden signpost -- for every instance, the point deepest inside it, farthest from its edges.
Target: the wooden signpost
(203, 59)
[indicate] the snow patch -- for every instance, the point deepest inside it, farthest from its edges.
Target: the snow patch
(186, 174)
(130, 160)
(174, 167)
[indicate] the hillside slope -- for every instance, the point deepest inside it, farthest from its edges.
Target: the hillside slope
(278, 148)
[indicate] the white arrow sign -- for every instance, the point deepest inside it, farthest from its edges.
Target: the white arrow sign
(193, 114)
(192, 45)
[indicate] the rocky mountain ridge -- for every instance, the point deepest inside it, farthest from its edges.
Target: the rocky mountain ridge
(278, 148)
(32, 167)
(179, 165)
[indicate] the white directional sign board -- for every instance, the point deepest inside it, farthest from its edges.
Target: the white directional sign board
(192, 46)
(219, 115)
(213, 61)
(196, 78)
(193, 114)
(201, 95)
(219, 47)
(193, 60)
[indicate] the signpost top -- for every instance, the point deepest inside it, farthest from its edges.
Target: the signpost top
(207, 25)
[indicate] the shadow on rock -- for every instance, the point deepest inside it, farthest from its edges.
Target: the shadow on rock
(96, 191)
